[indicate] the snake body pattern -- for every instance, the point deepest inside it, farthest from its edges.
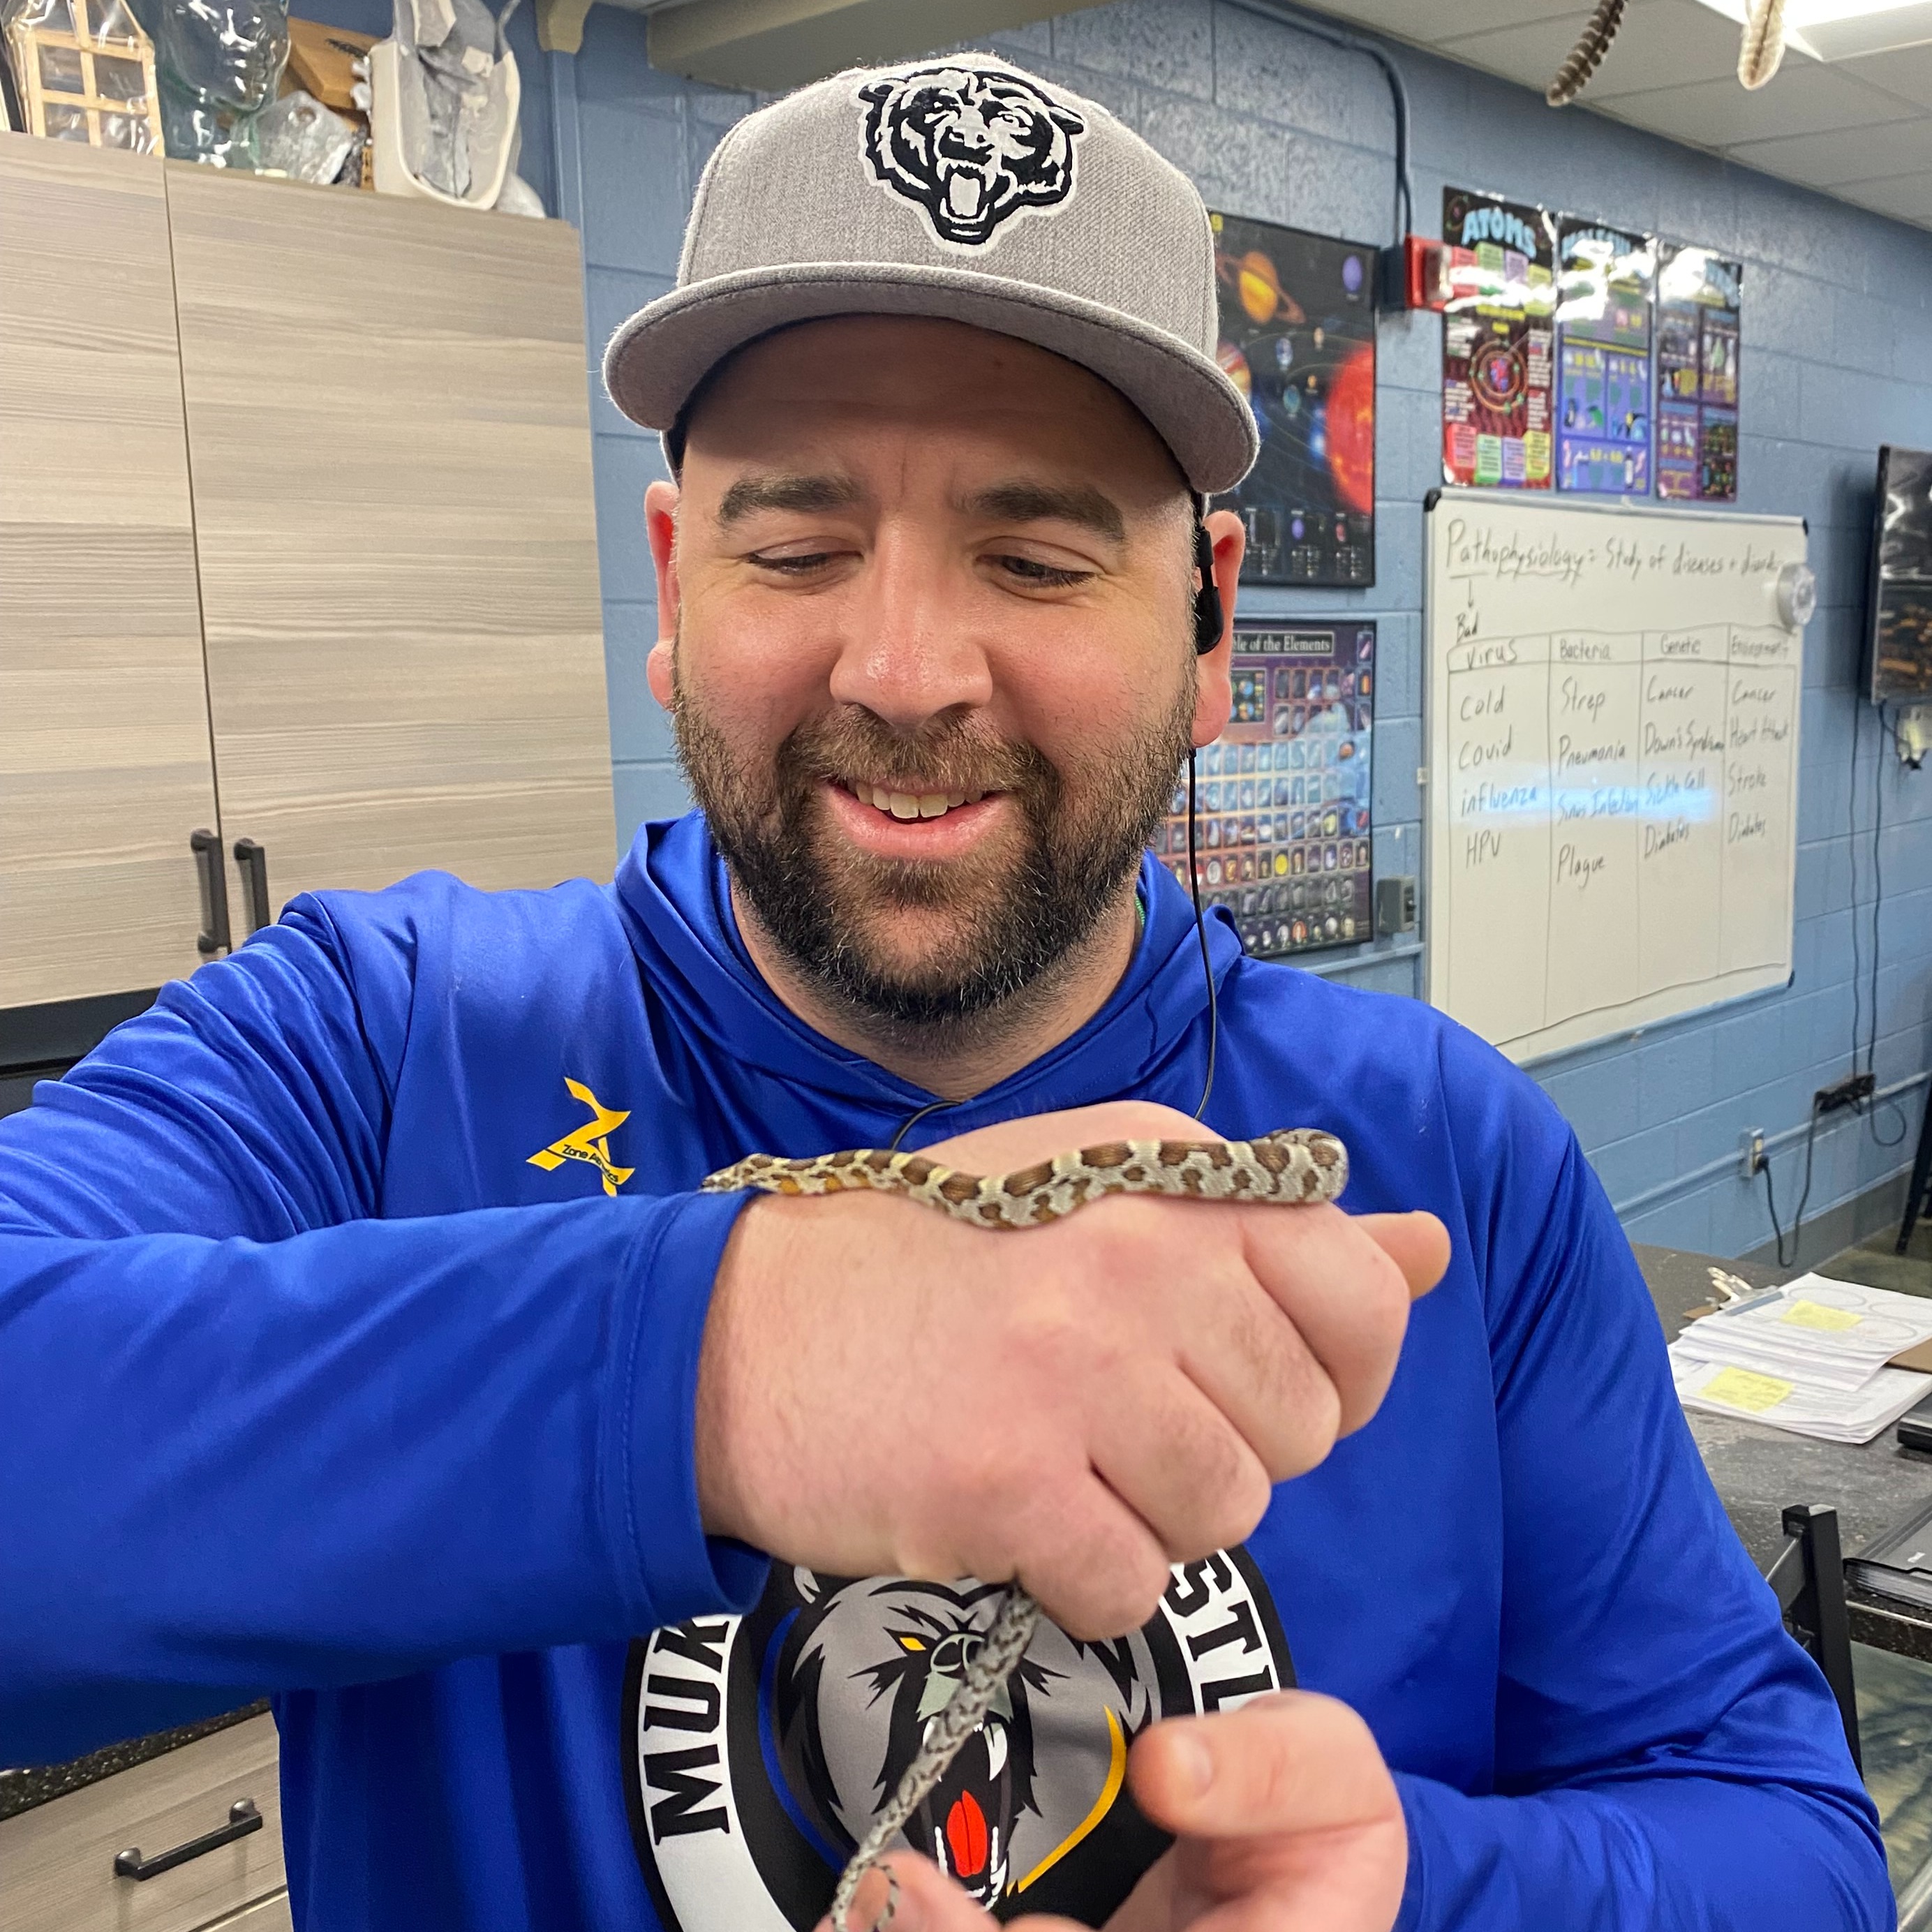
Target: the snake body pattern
(1295, 1167)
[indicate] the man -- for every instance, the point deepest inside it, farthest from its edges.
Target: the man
(365, 1342)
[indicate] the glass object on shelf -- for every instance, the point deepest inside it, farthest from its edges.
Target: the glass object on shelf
(219, 63)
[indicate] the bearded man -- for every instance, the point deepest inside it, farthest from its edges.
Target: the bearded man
(609, 1547)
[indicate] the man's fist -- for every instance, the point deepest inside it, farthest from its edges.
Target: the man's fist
(1284, 1816)
(883, 1391)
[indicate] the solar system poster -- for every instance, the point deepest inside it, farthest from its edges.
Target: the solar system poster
(1498, 331)
(1606, 281)
(1284, 826)
(1297, 335)
(1698, 298)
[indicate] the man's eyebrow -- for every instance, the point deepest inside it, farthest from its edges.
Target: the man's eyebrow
(750, 494)
(1023, 502)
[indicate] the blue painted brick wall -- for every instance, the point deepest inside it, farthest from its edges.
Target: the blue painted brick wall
(1271, 122)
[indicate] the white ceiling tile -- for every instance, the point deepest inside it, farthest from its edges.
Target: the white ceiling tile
(1428, 22)
(1909, 197)
(1803, 99)
(1530, 53)
(1907, 73)
(1850, 154)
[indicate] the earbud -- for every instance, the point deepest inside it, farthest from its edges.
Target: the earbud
(1209, 618)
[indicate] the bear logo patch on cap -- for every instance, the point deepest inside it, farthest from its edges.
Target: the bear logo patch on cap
(970, 146)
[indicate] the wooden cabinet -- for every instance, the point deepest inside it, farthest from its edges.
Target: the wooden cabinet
(297, 545)
(59, 1860)
(388, 428)
(104, 762)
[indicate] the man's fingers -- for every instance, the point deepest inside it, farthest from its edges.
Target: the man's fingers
(919, 1895)
(927, 1901)
(1417, 1243)
(1179, 1463)
(1344, 1293)
(1295, 1762)
(1097, 1568)
(1257, 1370)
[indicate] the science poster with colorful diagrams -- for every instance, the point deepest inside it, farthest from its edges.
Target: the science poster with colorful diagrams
(1284, 826)
(1606, 282)
(1297, 335)
(1499, 330)
(1698, 298)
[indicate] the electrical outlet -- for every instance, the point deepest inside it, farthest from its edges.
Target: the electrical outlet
(1750, 1156)
(1846, 1092)
(1395, 906)
(1913, 736)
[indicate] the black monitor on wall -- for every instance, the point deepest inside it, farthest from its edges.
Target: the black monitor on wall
(1899, 644)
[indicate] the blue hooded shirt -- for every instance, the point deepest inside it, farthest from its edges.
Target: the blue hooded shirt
(350, 1307)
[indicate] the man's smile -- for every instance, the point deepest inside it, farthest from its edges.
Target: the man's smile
(904, 804)
(891, 823)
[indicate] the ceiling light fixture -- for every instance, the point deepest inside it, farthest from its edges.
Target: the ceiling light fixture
(1836, 30)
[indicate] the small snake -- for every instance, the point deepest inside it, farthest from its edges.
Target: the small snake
(1292, 1168)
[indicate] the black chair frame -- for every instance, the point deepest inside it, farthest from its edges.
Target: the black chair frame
(1808, 1577)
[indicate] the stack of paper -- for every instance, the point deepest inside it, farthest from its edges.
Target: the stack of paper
(1815, 1359)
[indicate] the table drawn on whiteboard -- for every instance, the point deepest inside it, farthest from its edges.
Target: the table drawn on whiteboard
(1613, 706)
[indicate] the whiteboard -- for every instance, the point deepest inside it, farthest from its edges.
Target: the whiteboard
(1612, 788)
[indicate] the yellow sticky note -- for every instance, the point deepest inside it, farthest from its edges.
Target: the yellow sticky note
(1815, 1315)
(1743, 1388)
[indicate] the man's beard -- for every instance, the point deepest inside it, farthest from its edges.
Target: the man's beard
(1015, 920)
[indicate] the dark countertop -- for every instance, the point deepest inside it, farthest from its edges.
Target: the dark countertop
(21, 1790)
(1757, 1472)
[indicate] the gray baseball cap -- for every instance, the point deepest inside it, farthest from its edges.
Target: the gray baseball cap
(962, 187)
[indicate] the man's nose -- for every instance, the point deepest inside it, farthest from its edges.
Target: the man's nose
(910, 649)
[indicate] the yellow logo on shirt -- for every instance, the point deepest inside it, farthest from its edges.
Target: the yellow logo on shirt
(590, 1142)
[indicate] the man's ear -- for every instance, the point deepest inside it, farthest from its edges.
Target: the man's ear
(1214, 699)
(660, 502)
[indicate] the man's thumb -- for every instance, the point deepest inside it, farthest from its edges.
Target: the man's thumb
(1417, 1243)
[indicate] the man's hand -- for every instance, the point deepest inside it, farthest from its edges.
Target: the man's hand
(1285, 1820)
(885, 1391)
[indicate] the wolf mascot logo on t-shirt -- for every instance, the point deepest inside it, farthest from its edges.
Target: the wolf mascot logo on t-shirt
(758, 1750)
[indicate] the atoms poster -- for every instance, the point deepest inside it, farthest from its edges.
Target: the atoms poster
(1497, 342)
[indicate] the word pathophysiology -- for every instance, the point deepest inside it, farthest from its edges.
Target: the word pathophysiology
(1478, 551)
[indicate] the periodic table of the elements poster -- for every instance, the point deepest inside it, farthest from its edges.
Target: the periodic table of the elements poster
(1282, 839)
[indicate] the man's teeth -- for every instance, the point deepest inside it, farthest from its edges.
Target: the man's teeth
(914, 805)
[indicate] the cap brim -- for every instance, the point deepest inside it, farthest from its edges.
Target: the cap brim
(659, 357)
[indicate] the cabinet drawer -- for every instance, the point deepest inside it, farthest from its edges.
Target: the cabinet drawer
(271, 1915)
(57, 1861)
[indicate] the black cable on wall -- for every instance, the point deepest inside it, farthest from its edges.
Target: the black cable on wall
(1317, 27)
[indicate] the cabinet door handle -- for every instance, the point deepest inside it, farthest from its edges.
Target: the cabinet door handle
(214, 934)
(243, 1818)
(254, 860)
